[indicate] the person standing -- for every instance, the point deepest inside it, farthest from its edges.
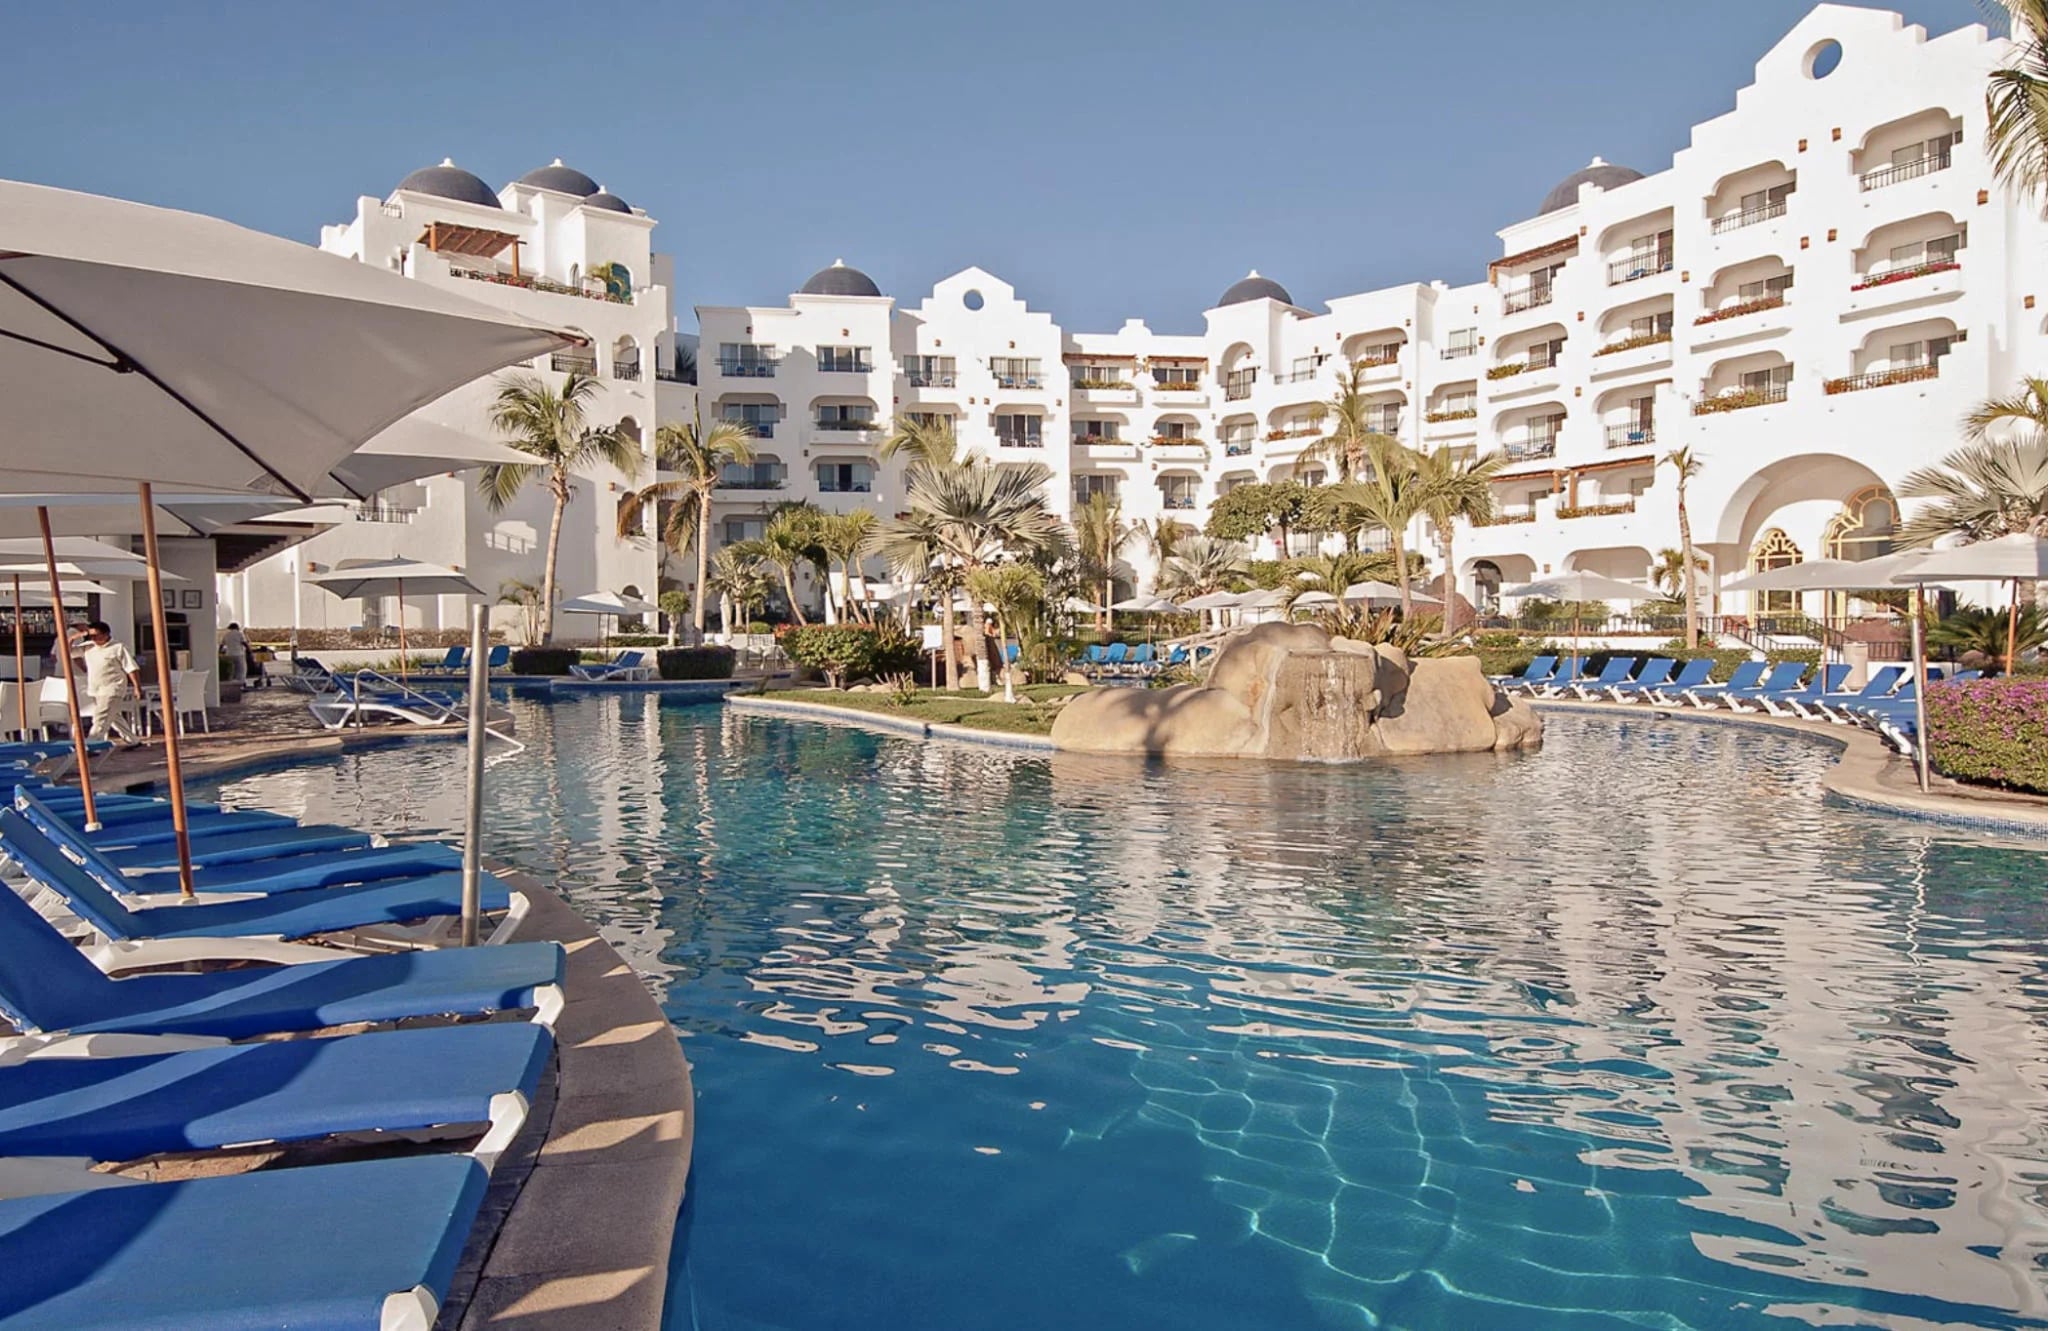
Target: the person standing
(235, 647)
(112, 680)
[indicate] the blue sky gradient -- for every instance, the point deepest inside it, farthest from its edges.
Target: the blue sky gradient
(1110, 161)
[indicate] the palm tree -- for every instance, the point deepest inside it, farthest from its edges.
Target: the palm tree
(698, 456)
(1393, 494)
(1460, 490)
(737, 580)
(977, 515)
(1348, 441)
(527, 596)
(1200, 565)
(1993, 486)
(1331, 574)
(2016, 102)
(784, 545)
(1099, 535)
(552, 426)
(845, 537)
(1999, 634)
(911, 545)
(1687, 464)
(1668, 572)
(930, 441)
(1162, 537)
(1016, 591)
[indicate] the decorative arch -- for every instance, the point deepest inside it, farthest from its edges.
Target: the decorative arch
(1774, 549)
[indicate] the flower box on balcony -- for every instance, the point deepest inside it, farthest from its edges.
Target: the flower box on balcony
(1437, 417)
(1906, 274)
(1174, 441)
(1738, 399)
(1595, 510)
(1741, 308)
(1506, 519)
(1631, 343)
(1158, 387)
(1298, 432)
(1904, 374)
(1508, 371)
(1102, 385)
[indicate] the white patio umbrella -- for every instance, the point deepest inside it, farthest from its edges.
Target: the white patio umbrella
(1214, 601)
(370, 578)
(1146, 605)
(1580, 586)
(1314, 599)
(607, 605)
(1080, 605)
(410, 450)
(1372, 590)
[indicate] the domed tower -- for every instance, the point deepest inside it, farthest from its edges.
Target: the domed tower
(839, 280)
(449, 181)
(1253, 287)
(560, 179)
(1596, 172)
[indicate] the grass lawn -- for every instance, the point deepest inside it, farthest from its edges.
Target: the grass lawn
(1026, 716)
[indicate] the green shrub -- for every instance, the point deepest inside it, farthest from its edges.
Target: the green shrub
(544, 660)
(1993, 731)
(760, 626)
(695, 662)
(847, 652)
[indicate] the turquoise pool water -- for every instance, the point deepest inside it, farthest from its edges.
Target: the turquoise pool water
(1635, 1032)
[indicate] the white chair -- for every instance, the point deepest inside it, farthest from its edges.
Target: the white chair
(50, 704)
(188, 698)
(10, 713)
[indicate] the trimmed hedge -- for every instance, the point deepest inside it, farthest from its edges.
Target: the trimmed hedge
(1993, 731)
(545, 660)
(847, 652)
(695, 662)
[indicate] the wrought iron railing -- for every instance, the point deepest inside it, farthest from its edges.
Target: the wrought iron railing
(750, 368)
(1631, 436)
(1749, 217)
(1517, 301)
(1638, 266)
(1899, 172)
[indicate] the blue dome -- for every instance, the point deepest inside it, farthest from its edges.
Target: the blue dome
(608, 201)
(1254, 287)
(561, 179)
(449, 181)
(1604, 174)
(839, 280)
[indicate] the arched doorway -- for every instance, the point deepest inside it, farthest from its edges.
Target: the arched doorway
(1774, 549)
(1486, 584)
(1866, 528)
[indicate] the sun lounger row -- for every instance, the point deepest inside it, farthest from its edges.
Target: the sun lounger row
(1121, 659)
(111, 1066)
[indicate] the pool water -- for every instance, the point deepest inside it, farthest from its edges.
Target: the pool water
(1634, 1032)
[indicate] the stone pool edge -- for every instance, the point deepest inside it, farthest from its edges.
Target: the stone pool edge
(1868, 774)
(893, 725)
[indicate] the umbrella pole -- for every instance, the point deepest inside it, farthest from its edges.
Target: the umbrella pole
(174, 774)
(20, 663)
(92, 815)
(2012, 630)
(1920, 745)
(473, 819)
(402, 681)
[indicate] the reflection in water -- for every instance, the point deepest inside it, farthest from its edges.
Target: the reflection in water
(1556, 1040)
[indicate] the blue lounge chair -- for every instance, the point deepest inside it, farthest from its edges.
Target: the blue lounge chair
(115, 1109)
(1177, 656)
(1655, 671)
(1143, 660)
(1113, 659)
(454, 663)
(499, 659)
(1562, 678)
(287, 915)
(1096, 655)
(1881, 684)
(1672, 691)
(1617, 669)
(223, 847)
(367, 1244)
(628, 666)
(1012, 652)
(1745, 676)
(48, 986)
(1828, 679)
(1783, 677)
(1536, 672)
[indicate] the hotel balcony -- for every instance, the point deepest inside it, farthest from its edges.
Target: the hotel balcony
(1458, 353)
(1742, 320)
(845, 427)
(1900, 172)
(1631, 436)
(1237, 448)
(1615, 508)
(1748, 217)
(1904, 374)
(1534, 447)
(948, 379)
(573, 362)
(1636, 267)
(1516, 302)
(1106, 448)
(749, 368)
(1740, 399)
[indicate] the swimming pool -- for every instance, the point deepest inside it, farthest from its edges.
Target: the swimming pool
(1636, 1031)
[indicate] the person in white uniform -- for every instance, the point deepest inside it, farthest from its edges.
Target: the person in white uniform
(112, 680)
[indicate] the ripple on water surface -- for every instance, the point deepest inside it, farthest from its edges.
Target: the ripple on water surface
(1632, 1032)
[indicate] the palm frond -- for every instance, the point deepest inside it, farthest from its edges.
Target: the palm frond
(501, 482)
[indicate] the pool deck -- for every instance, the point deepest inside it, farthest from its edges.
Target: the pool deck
(1868, 773)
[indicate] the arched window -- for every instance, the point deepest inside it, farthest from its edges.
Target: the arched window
(631, 623)
(1774, 549)
(1486, 581)
(1866, 528)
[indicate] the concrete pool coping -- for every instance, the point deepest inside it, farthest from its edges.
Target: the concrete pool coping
(894, 725)
(1868, 773)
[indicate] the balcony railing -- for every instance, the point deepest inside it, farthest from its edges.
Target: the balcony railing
(936, 379)
(1178, 502)
(1631, 436)
(391, 513)
(1089, 384)
(1905, 272)
(626, 369)
(1175, 441)
(747, 369)
(1638, 266)
(1507, 517)
(1020, 441)
(844, 425)
(1899, 172)
(530, 283)
(1737, 399)
(1634, 340)
(1517, 301)
(1297, 376)
(1537, 446)
(1176, 385)
(1568, 511)
(670, 374)
(1239, 388)
(846, 367)
(1749, 217)
(1742, 307)
(1904, 374)
(1099, 440)
(1236, 448)
(1453, 353)
(1373, 357)
(752, 482)
(1451, 414)
(571, 362)
(1292, 432)
(1507, 371)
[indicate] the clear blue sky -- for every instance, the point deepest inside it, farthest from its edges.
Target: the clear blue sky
(1110, 160)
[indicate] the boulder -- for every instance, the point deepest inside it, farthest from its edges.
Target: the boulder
(1290, 691)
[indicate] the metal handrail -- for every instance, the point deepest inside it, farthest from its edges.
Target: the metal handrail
(1749, 217)
(1913, 170)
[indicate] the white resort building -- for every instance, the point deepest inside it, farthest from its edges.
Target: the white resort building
(1810, 297)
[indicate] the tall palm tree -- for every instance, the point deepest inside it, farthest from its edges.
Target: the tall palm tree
(1393, 494)
(1687, 464)
(911, 545)
(979, 515)
(2016, 102)
(845, 537)
(1016, 591)
(1348, 425)
(1995, 485)
(1460, 490)
(1099, 537)
(738, 581)
(1200, 565)
(1667, 572)
(697, 454)
(785, 545)
(1162, 537)
(552, 425)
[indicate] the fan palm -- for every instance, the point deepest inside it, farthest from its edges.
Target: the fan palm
(1393, 494)
(2016, 102)
(737, 579)
(1460, 489)
(552, 425)
(930, 440)
(845, 537)
(697, 454)
(1016, 591)
(1687, 464)
(911, 545)
(1099, 537)
(1994, 486)
(1331, 574)
(1200, 565)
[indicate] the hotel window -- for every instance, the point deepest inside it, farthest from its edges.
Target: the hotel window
(1461, 342)
(1174, 430)
(929, 371)
(1941, 249)
(1311, 476)
(1176, 374)
(1015, 371)
(1305, 367)
(845, 360)
(734, 530)
(1762, 199)
(1543, 429)
(766, 475)
(1650, 325)
(1468, 400)
(845, 477)
(1385, 418)
(1177, 492)
(1094, 431)
(746, 360)
(844, 416)
(1087, 374)
(1544, 354)
(1238, 383)
(1934, 150)
(1772, 380)
(1770, 286)
(760, 417)
(1912, 355)
(1087, 487)
(1020, 430)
